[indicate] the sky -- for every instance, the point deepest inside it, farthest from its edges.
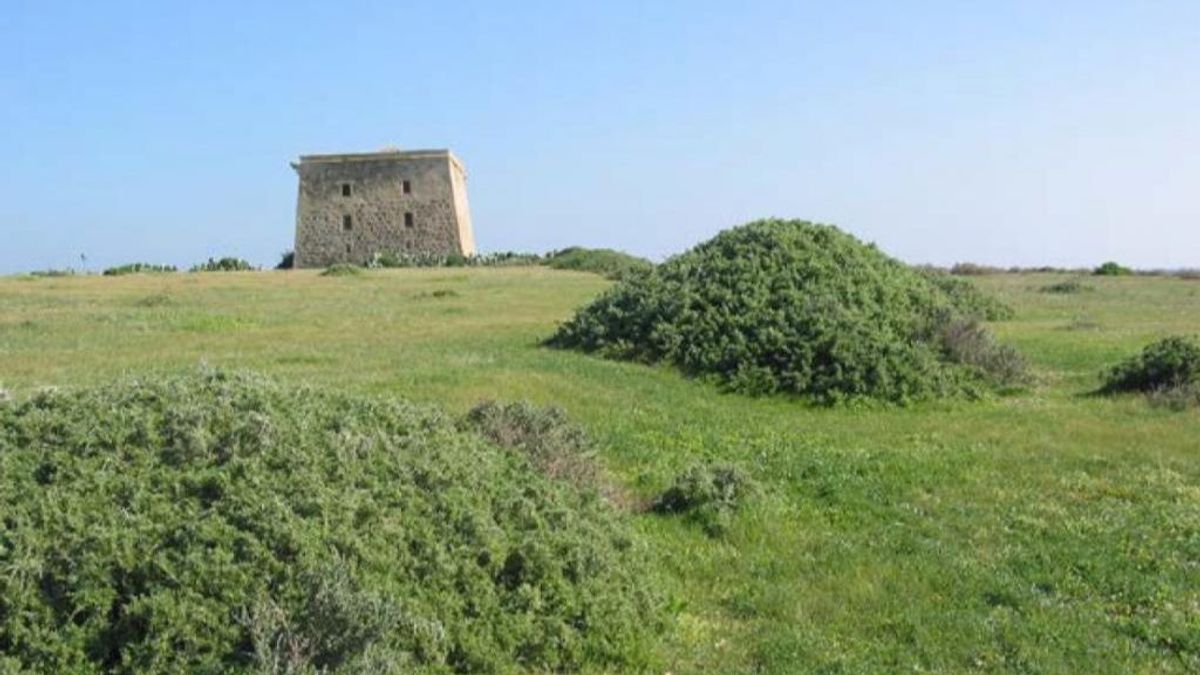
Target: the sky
(1006, 133)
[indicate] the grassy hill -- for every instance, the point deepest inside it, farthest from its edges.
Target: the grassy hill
(1050, 531)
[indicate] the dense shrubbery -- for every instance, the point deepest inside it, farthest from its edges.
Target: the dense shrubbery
(220, 522)
(707, 494)
(226, 264)
(138, 268)
(785, 306)
(1112, 269)
(1169, 367)
(603, 261)
(287, 260)
(1069, 286)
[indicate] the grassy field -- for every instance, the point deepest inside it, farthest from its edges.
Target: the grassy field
(1046, 531)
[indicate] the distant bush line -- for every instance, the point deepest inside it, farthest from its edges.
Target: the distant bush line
(138, 268)
(227, 264)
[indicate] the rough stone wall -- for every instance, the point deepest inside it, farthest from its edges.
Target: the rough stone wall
(377, 206)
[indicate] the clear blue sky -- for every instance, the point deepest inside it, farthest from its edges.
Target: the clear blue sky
(1002, 132)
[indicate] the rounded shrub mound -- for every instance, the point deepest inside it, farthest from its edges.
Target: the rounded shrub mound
(795, 307)
(218, 522)
(1170, 363)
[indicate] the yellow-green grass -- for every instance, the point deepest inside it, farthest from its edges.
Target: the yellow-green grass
(1049, 530)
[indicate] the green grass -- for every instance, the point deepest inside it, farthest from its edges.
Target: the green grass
(1049, 531)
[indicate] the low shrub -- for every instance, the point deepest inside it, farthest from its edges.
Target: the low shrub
(967, 342)
(223, 265)
(1067, 287)
(224, 523)
(967, 269)
(606, 262)
(1112, 269)
(341, 270)
(545, 436)
(287, 260)
(707, 494)
(138, 268)
(787, 307)
(1170, 363)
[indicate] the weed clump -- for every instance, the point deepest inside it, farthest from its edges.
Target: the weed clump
(606, 262)
(226, 264)
(1112, 269)
(341, 270)
(1067, 287)
(707, 494)
(138, 268)
(786, 307)
(1168, 370)
(220, 522)
(545, 436)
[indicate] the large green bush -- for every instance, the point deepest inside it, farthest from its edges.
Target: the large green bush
(786, 306)
(603, 261)
(1168, 364)
(220, 522)
(1112, 269)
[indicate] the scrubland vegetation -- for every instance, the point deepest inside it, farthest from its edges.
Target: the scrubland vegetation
(251, 523)
(798, 308)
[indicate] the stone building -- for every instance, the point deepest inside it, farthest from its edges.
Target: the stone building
(352, 206)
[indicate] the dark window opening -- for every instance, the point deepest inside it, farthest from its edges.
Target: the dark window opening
(347, 248)
(407, 187)
(346, 189)
(347, 223)
(408, 219)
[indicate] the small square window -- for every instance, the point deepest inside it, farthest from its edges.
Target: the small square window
(347, 223)
(346, 189)
(407, 187)
(408, 219)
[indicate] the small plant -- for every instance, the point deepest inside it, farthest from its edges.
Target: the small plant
(708, 494)
(1112, 269)
(286, 261)
(155, 300)
(341, 270)
(445, 293)
(138, 268)
(1068, 287)
(227, 264)
(1170, 363)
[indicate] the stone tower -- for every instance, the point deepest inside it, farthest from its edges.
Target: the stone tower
(352, 206)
